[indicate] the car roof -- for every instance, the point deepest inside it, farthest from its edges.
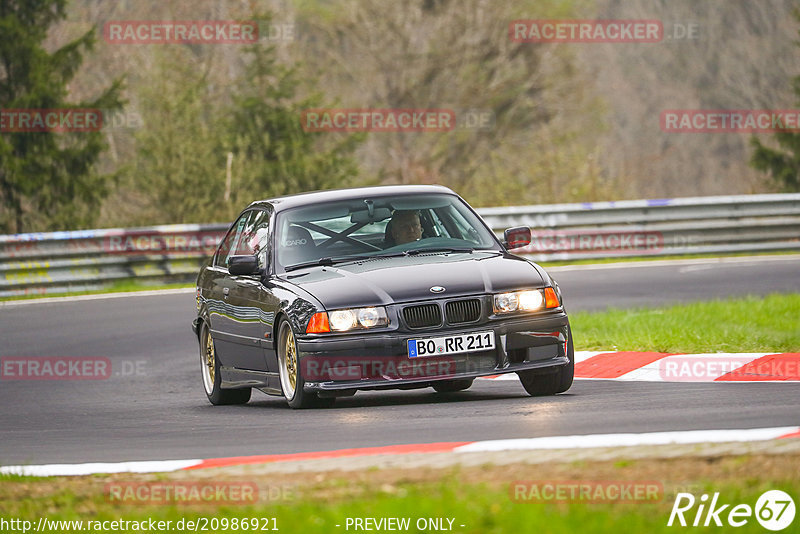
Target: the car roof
(306, 199)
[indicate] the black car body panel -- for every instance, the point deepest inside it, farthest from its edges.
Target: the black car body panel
(385, 281)
(378, 361)
(242, 312)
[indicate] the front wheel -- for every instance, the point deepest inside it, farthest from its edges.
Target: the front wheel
(209, 368)
(290, 373)
(548, 382)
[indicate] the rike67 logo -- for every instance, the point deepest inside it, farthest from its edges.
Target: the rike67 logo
(774, 510)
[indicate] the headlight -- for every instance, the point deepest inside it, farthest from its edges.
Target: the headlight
(369, 317)
(348, 319)
(523, 301)
(506, 303)
(342, 319)
(530, 300)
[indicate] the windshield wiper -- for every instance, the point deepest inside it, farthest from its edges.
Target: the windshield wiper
(321, 261)
(327, 261)
(416, 251)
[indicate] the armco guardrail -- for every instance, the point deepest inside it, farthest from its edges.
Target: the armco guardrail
(725, 224)
(61, 262)
(73, 261)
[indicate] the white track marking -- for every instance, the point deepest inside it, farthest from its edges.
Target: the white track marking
(715, 365)
(628, 440)
(155, 466)
(723, 363)
(554, 442)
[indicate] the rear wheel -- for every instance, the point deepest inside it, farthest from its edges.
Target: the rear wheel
(548, 381)
(292, 383)
(209, 367)
(451, 386)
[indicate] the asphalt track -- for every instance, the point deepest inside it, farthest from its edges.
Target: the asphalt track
(153, 406)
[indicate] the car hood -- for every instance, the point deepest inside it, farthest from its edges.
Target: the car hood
(405, 279)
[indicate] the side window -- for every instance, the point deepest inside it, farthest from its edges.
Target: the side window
(261, 246)
(255, 237)
(253, 232)
(229, 242)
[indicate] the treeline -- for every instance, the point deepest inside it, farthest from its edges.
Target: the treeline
(197, 131)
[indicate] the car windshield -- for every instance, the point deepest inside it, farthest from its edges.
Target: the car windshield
(381, 226)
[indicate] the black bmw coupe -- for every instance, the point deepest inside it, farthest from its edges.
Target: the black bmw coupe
(318, 295)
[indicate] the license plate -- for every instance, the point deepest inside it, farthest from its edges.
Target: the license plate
(440, 346)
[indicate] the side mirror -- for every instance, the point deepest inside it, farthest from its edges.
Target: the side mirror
(517, 237)
(238, 265)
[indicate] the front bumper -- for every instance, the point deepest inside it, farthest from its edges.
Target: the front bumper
(381, 361)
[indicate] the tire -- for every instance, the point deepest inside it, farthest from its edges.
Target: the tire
(290, 373)
(547, 381)
(451, 386)
(209, 368)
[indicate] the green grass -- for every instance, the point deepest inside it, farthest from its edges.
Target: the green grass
(481, 508)
(121, 286)
(749, 324)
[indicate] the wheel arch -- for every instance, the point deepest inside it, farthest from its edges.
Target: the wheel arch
(280, 316)
(202, 319)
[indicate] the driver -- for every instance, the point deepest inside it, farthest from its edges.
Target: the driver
(405, 226)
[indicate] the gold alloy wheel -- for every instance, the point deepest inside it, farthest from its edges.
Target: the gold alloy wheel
(291, 359)
(208, 358)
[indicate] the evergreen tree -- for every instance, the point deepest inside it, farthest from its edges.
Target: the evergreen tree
(782, 164)
(272, 154)
(180, 166)
(202, 157)
(47, 180)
